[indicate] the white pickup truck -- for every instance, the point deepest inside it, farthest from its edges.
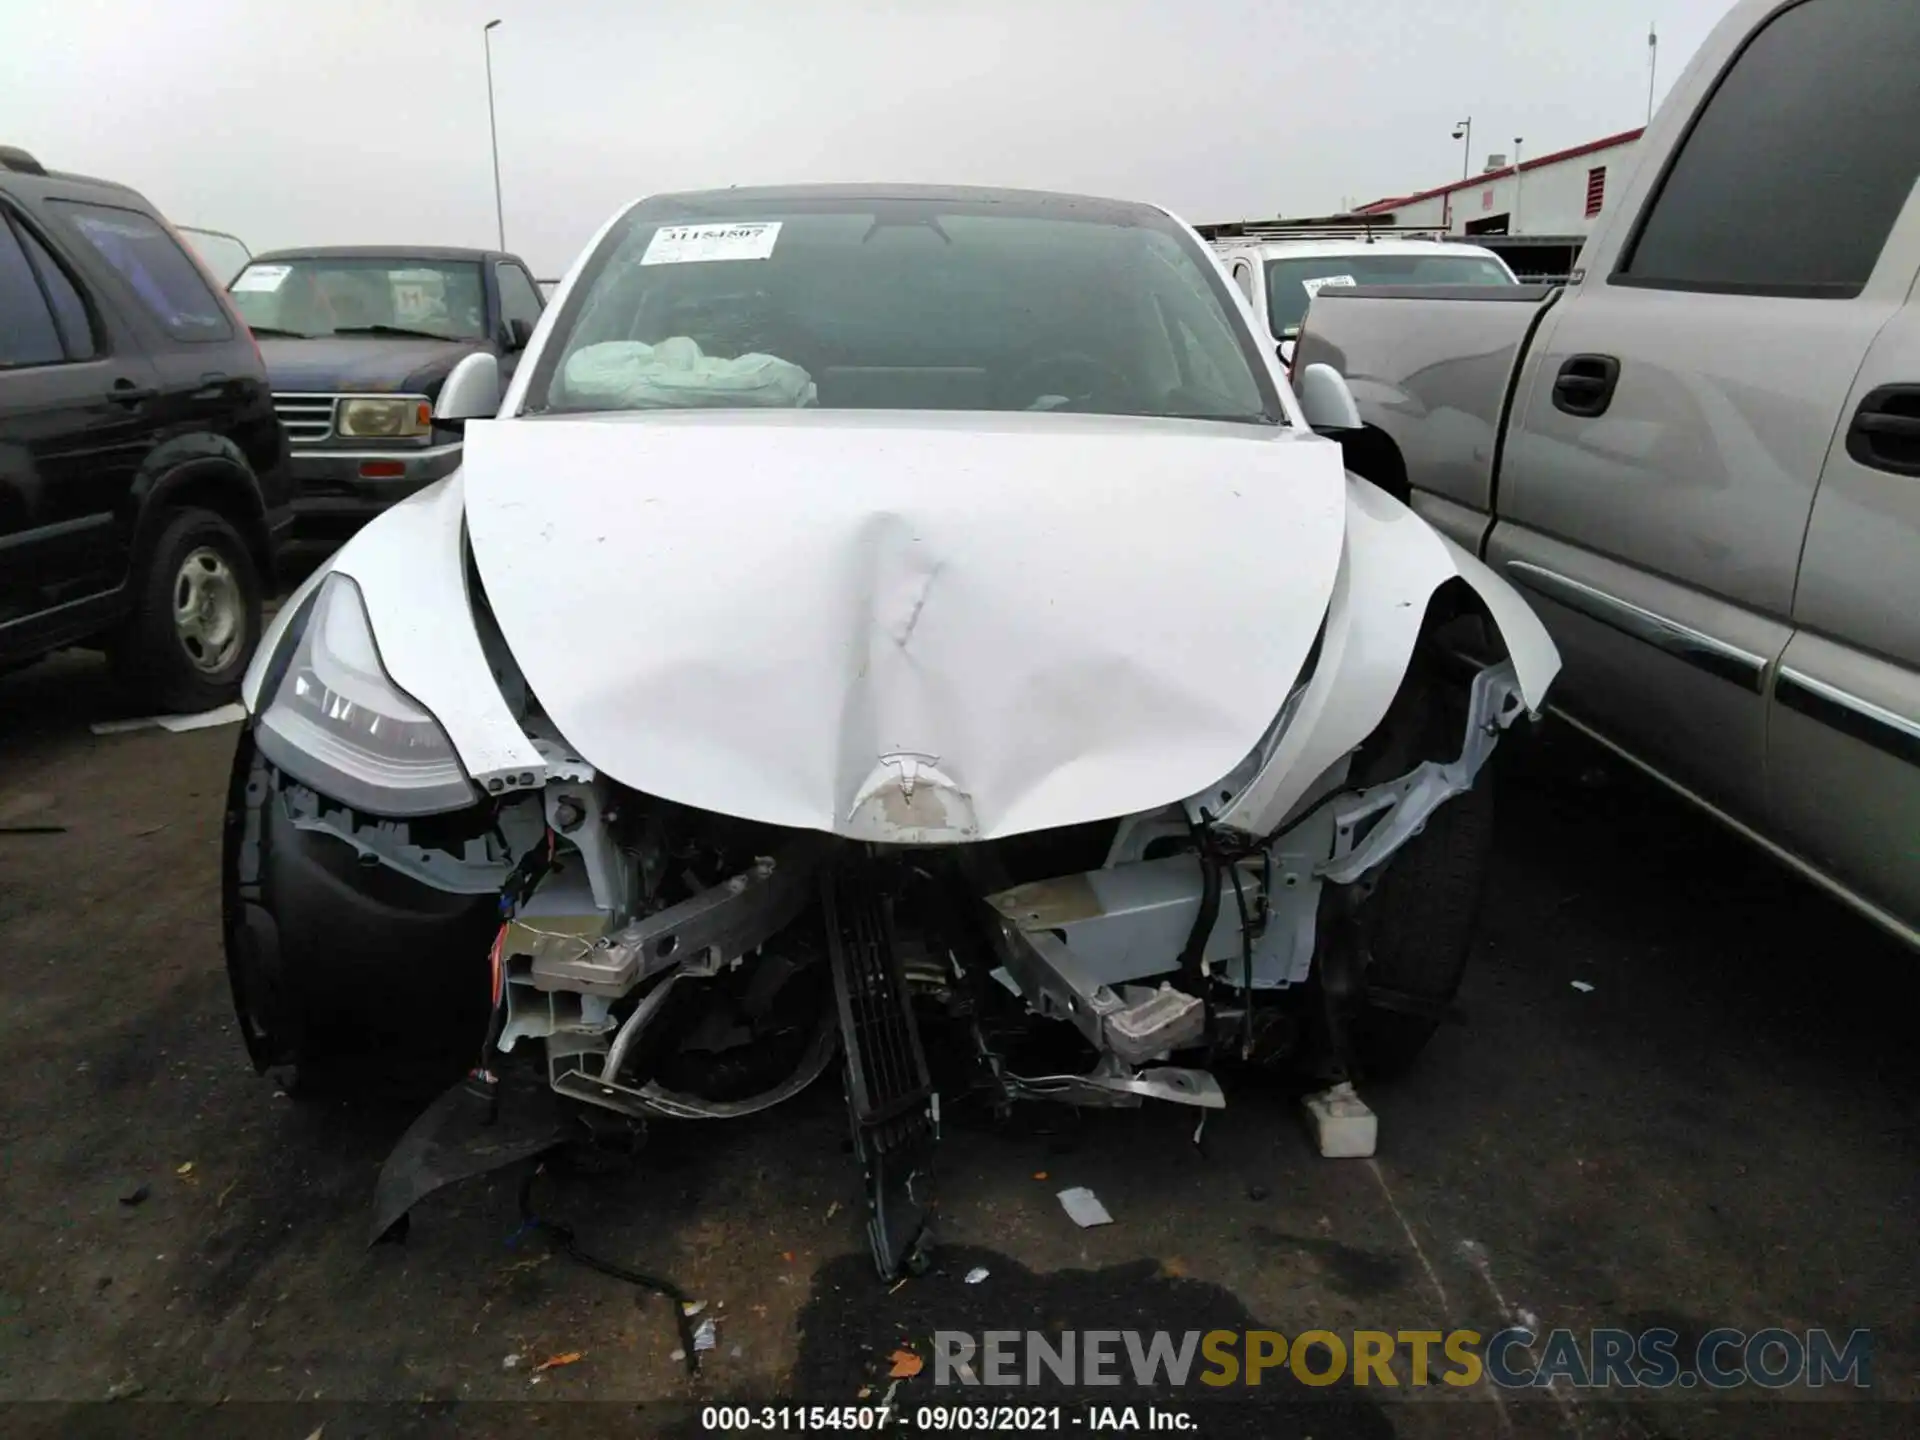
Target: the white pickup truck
(1702, 456)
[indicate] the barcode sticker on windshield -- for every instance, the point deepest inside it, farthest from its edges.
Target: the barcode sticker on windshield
(683, 244)
(262, 277)
(1321, 282)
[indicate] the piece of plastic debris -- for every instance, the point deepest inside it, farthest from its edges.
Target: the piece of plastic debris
(538, 1380)
(906, 1365)
(864, 1391)
(554, 1362)
(1583, 987)
(705, 1337)
(512, 1362)
(137, 1195)
(735, 1353)
(1083, 1207)
(886, 1400)
(787, 1255)
(1039, 1174)
(833, 1209)
(185, 1168)
(976, 1275)
(1343, 1126)
(677, 1356)
(692, 1307)
(896, 1284)
(126, 1389)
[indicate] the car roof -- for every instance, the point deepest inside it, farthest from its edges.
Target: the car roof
(1314, 249)
(381, 252)
(1042, 202)
(61, 183)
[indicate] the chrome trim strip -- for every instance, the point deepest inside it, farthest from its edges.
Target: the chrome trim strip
(1702, 651)
(1886, 920)
(430, 452)
(1884, 730)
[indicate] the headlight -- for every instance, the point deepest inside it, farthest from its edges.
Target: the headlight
(384, 419)
(337, 723)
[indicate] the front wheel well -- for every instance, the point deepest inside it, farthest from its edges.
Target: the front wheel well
(227, 492)
(1371, 453)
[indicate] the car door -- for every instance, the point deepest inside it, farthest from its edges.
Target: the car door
(1674, 414)
(76, 418)
(519, 300)
(1843, 738)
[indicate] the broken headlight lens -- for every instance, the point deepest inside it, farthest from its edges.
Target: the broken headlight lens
(385, 419)
(337, 723)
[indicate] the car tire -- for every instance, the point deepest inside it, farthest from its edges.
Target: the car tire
(195, 618)
(1417, 926)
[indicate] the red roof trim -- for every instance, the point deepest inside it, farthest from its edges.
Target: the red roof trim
(1625, 137)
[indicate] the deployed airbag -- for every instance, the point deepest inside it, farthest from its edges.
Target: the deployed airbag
(678, 374)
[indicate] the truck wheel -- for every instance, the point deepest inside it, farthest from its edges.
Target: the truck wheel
(1417, 926)
(195, 617)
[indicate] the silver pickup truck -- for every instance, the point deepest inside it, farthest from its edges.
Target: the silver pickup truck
(1702, 456)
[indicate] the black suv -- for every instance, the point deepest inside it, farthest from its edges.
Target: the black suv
(143, 476)
(358, 341)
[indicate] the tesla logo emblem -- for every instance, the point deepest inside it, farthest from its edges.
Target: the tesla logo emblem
(909, 764)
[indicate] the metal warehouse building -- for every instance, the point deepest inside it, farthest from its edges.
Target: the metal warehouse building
(1535, 213)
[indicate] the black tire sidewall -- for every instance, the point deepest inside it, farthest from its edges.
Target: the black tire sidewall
(147, 655)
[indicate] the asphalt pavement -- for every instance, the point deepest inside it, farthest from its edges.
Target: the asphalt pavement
(1680, 1091)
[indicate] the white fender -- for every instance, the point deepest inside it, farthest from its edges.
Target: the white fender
(1392, 564)
(410, 565)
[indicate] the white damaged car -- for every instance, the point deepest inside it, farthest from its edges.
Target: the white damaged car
(875, 623)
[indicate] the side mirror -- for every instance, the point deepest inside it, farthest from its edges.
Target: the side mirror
(519, 332)
(1326, 399)
(472, 392)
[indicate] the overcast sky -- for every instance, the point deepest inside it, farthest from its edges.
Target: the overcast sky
(337, 121)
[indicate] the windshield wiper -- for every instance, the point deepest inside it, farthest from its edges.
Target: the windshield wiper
(390, 330)
(275, 332)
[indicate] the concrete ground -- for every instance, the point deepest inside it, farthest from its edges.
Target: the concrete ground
(1720, 1132)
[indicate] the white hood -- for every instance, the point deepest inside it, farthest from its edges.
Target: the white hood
(809, 619)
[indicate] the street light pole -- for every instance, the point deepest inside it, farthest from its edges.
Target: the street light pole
(1514, 224)
(1463, 131)
(493, 129)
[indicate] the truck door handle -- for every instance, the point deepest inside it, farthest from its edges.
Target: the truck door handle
(125, 392)
(1584, 386)
(1885, 433)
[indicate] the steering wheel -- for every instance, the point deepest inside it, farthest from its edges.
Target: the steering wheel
(1075, 374)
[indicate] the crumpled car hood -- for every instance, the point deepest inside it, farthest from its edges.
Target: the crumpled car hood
(901, 626)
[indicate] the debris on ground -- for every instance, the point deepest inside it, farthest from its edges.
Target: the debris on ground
(690, 1308)
(172, 724)
(184, 1169)
(1039, 1174)
(976, 1275)
(1083, 1207)
(833, 1209)
(512, 1362)
(906, 1365)
(1343, 1126)
(554, 1362)
(705, 1337)
(677, 1356)
(137, 1195)
(127, 1389)
(1584, 987)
